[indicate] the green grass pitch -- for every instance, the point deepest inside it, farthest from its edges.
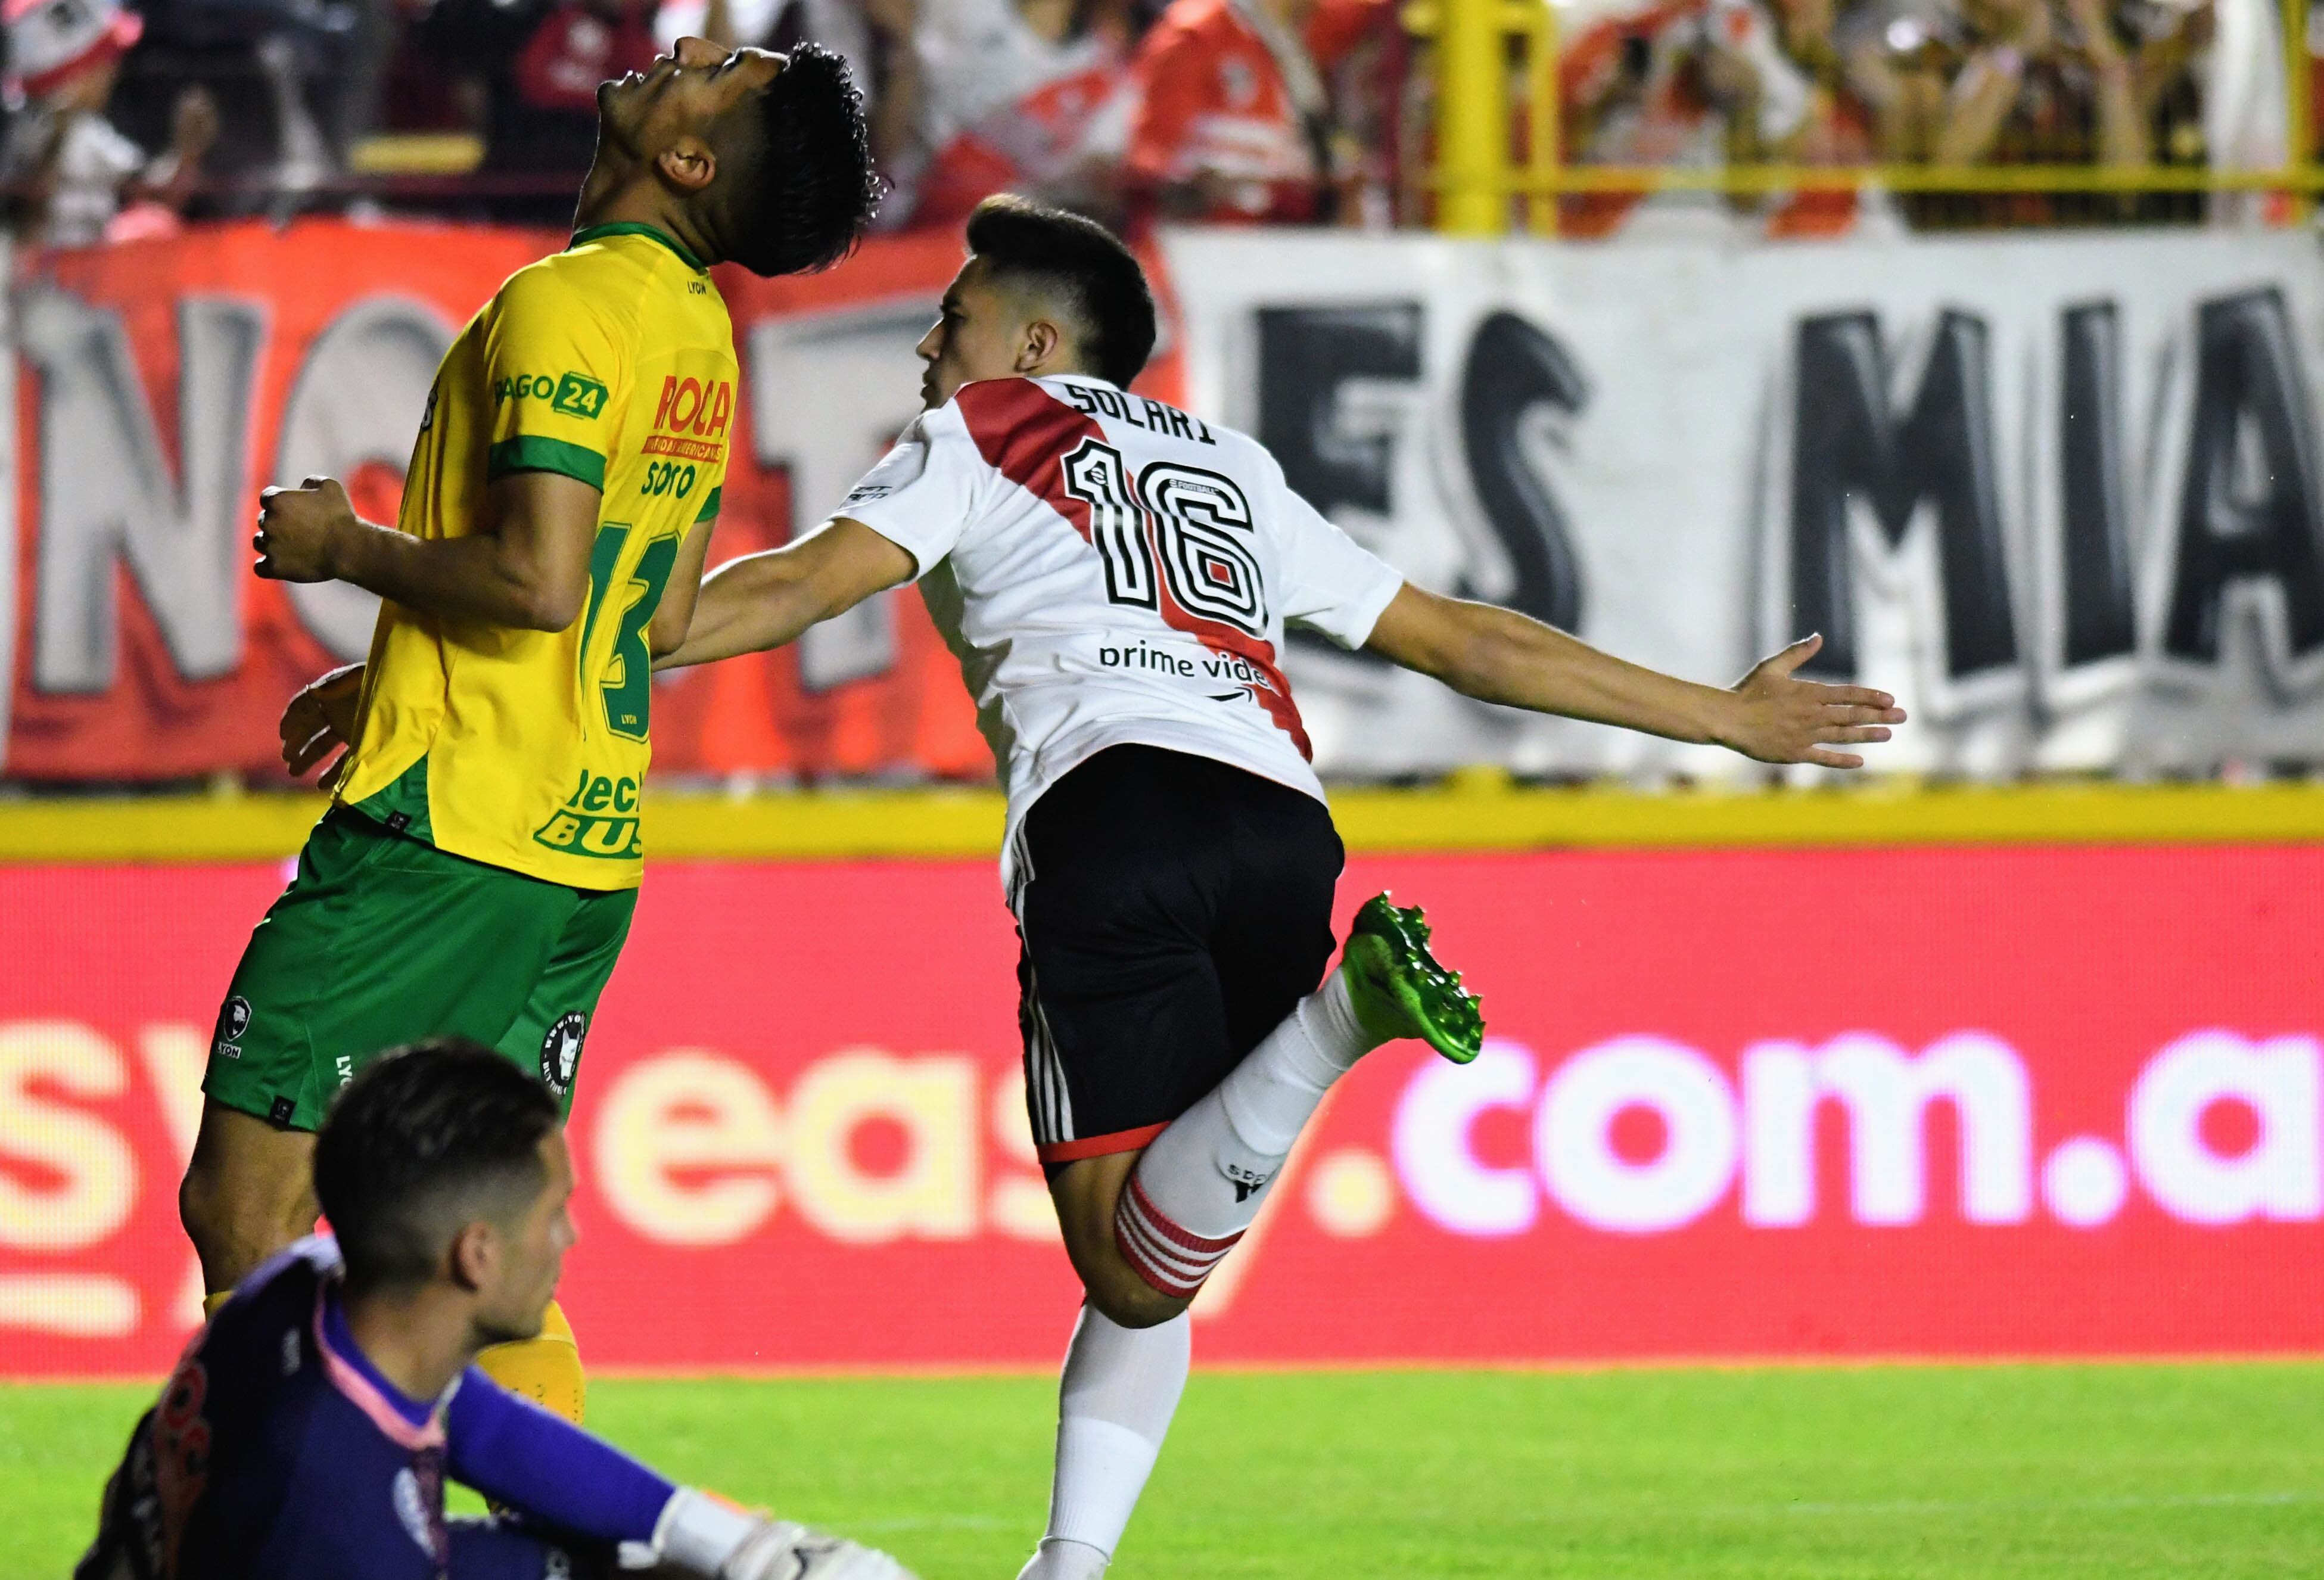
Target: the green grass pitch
(2210, 1471)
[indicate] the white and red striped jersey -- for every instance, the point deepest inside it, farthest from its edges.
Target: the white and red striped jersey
(1109, 570)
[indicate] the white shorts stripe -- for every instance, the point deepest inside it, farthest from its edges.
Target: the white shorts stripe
(1057, 1101)
(1049, 1102)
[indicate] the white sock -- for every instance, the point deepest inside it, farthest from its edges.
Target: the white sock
(1057, 1558)
(1203, 1179)
(1119, 1389)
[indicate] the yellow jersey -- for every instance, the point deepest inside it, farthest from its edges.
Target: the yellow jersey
(612, 362)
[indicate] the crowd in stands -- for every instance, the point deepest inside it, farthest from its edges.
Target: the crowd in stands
(124, 116)
(2017, 85)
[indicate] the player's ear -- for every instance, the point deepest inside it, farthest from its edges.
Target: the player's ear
(1037, 344)
(476, 1253)
(688, 164)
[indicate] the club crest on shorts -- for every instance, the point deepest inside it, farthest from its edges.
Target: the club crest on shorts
(234, 1020)
(560, 1051)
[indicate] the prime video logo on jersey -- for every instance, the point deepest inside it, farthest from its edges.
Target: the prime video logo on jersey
(1747, 1143)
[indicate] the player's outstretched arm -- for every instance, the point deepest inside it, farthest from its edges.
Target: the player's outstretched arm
(762, 601)
(666, 632)
(546, 1469)
(1498, 655)
(530, 572)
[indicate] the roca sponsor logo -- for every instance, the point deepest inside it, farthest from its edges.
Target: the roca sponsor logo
(697, 406)
(690, 418)
(1642, 1134)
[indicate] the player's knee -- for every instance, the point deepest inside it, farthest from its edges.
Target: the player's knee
(1088, 1196)
(1123, 1297)
(215, 1216)
(1114, 1286)
(244, 1195)
(197, 1201)
(1137, 1293)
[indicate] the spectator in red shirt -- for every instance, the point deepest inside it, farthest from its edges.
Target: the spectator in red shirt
(1236, 122)
(537, 65)
(1031, 97)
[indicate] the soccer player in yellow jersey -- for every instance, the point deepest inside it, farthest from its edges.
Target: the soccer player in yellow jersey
(476, 872)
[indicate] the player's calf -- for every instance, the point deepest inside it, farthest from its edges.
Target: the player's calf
(247, 1193)
(1201, 1183)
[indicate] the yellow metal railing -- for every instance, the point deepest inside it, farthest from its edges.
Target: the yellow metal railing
(1476, 46)
(2299, 148)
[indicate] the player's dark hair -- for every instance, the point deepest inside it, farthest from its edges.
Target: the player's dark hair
(1082, 265)
(428, 1138)
(796, 186)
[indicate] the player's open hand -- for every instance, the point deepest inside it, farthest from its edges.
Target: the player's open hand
(320, 720)
(1779, 717)
(297, 529)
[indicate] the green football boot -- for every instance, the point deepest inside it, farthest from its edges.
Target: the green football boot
(1399, 990)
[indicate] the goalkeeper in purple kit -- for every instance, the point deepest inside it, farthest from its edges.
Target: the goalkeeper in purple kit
(308, 1431)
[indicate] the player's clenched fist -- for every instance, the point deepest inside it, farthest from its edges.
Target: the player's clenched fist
(1779, 717)
(298, 528)
(780, 1550)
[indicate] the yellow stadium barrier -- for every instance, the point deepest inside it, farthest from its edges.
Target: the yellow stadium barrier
(1477, 812)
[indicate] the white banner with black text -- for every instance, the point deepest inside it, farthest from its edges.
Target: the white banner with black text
(2061, 495)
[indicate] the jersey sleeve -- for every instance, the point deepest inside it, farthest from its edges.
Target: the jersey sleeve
(557, 373)
(545, 1467)
(506, 1549)
(1331, 583)
(712, 501)
(925, 493)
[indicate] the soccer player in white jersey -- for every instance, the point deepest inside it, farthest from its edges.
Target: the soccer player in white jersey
(1115, 576)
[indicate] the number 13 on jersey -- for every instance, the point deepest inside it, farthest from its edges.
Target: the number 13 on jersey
(625, 685)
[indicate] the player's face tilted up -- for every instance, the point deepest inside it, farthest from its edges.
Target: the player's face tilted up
(761, 159)
(309, 1429)
(1117, 576)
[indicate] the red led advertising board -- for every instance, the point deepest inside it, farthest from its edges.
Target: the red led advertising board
(1996, 1102)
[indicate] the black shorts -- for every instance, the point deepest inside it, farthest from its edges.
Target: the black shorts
(1170, 913)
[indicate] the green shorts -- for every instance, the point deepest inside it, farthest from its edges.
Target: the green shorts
(381, 939)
